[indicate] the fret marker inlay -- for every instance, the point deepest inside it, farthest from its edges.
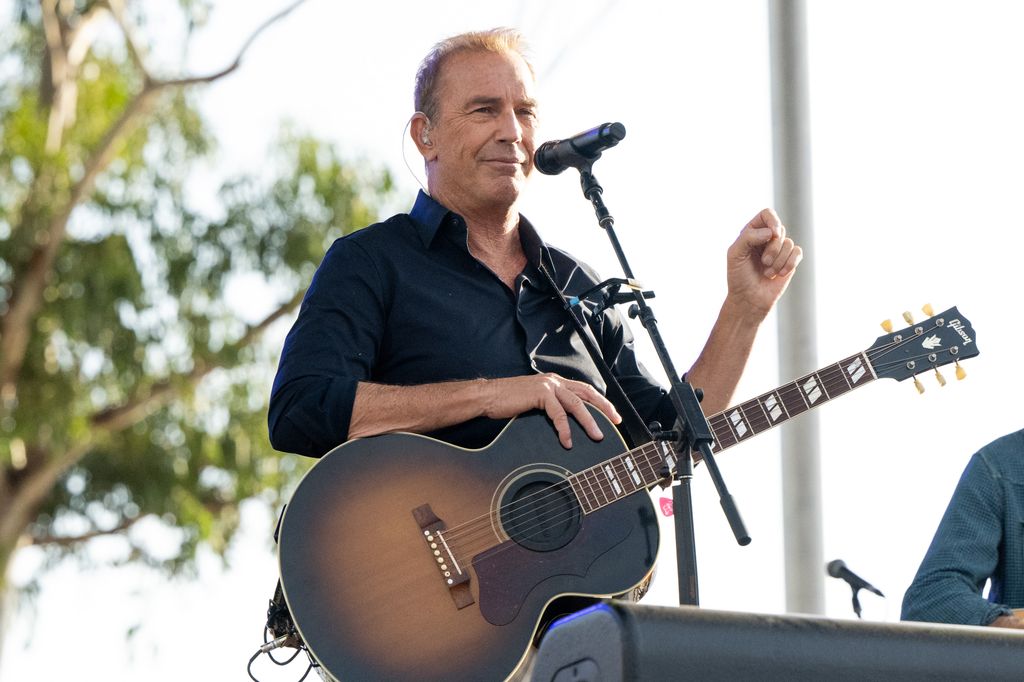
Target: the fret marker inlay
(772, 406)
(811, 390)
(614, 481)
(737, 422)
(632, 471)
(856, 370)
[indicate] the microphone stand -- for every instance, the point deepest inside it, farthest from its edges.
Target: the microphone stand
(691, 432)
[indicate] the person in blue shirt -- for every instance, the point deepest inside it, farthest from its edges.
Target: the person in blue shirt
(980, 539)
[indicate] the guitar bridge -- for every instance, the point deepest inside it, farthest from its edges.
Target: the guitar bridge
(454, 575)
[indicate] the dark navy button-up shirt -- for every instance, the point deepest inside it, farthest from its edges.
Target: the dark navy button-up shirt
(404, 302)
(980, 538)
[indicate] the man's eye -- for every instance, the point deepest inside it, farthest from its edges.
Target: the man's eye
(483, 110)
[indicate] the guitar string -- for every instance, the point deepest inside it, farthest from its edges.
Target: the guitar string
(583, 480)
(595, 482)
(529, 532)
(832, 377)
(549, 497)
(546, 523)
(586, 478)
(722, 420)
(829, 377)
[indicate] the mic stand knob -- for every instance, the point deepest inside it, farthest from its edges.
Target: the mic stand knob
(671, 436)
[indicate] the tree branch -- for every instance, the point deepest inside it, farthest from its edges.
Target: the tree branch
(69, 540)
(37, 483)
(117, 10)
(34, 485)
(79, 38)
(216, 75)
(58, 75)
(16, 323)
(124, 416)
(26, 297)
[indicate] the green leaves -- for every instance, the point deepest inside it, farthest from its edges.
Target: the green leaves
(145, 377)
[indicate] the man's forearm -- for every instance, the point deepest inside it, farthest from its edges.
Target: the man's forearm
(380, 408)
(720, 365)
(383, 408)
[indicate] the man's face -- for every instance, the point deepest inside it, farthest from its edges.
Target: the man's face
(483, 139)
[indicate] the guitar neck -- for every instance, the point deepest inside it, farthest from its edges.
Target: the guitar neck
(649, 464)
(746, 420)
(621, 476)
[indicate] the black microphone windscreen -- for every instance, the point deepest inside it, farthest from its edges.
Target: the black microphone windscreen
(578, 151)
(835, 568)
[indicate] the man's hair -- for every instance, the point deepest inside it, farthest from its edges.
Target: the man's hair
(428, 76)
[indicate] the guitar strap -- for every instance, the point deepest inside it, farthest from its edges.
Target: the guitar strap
(633, 425)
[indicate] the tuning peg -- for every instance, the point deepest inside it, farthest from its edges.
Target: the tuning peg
(908, 317)
(960, 373)
(918, 385)
(938, 377)
(927, 309)
(887, 325)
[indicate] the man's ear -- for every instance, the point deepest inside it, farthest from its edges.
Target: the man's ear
(419, 130)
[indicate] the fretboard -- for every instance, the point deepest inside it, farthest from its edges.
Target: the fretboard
(623, 475)
(647, 465)
(740, 422)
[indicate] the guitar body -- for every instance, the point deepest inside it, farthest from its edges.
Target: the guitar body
(368, 592)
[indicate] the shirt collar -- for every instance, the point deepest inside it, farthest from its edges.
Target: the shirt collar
(428, 215)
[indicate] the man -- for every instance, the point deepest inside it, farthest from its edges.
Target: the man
(980, 539)
(443, 321)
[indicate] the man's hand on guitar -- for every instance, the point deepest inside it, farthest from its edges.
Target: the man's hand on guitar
(557, 396)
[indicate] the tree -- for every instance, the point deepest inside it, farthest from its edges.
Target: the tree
(129, 385)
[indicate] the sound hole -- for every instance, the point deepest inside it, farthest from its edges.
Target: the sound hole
(539, 511)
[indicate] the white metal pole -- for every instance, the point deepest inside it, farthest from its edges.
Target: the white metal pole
(801, 466)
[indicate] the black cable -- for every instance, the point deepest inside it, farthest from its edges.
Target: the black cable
(266, 631)
(271, 657)
(248, 668)
(298, 650)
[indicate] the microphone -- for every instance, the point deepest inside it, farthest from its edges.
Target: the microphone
(579, 151)
(838, 569)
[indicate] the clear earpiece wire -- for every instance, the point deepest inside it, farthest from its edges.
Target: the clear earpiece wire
(405, 160)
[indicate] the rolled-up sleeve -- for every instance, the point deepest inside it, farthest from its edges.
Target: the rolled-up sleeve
(331, 348)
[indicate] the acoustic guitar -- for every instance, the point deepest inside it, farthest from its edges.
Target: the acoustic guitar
(405, 558)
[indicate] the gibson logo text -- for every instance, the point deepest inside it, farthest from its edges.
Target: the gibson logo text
(959, 327)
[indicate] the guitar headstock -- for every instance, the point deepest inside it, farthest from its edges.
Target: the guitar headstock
(927, 345)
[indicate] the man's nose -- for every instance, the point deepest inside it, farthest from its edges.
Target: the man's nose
(510, 130)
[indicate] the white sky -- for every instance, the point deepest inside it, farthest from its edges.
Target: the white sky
(917, 140)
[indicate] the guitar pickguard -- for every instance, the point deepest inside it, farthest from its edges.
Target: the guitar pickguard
(509, 572)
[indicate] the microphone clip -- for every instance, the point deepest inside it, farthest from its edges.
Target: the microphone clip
(607, 294)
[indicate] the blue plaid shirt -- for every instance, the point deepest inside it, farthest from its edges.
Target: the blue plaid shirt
(980, 538)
